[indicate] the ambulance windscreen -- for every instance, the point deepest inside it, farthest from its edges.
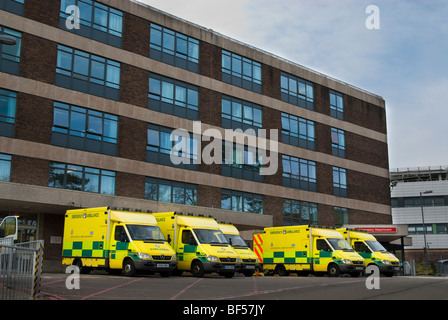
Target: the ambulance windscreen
(145, 233)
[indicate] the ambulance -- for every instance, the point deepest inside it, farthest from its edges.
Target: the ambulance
(116, 240)
(372, 251)
(199, 244)
(306, 250)
(248, 257)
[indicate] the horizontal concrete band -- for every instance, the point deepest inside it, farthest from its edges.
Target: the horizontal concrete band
(64, 155)
(98, 48)
(52, 200)
(56, 93)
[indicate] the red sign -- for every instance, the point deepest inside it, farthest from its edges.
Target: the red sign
(379, 229)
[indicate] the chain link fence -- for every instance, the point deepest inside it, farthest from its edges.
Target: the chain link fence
(20, 269)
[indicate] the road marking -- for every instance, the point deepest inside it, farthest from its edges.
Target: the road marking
(185, 289)
(112, 288)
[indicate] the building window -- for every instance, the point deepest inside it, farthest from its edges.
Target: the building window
(297, 91)
(5, 167)
(239, 114)
(298, 132)
(174, 48)
(241, 72)
(340, 182)
(10, 55)
(72, 177)
(173, 97)
(241, 162)
(417, 229)
(341, 216)
(338, 142)
(336, 105)
(410, 202)
(161, 142)
(84, 129)
(13, 6)
(8, 100)
(240, 201)
(82, 71)
(299, 212)
(97, 21)
(299, 173)
(171, 191)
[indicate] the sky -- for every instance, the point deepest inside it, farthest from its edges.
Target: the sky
(405, 61)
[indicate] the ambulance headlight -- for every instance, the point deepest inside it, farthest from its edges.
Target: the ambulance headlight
(346, 261)
(144, 256)
(213, 258)
(386, 261)
(174, 257)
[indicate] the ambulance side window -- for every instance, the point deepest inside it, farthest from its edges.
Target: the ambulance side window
(187, 237)
(322, 245)
(120, 234)
(361, 247)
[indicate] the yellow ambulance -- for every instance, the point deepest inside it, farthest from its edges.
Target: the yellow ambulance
(117, 241)
(199, 244)
(372, 251)
(248, 257)
(304, 249)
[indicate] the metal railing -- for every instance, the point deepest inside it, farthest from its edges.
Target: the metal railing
(20, 269)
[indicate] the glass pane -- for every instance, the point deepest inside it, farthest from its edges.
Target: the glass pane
(156, 37)
(164, 193)
(91, 183)
(154, 86)
(60, 118)
(81, 65)
(107, 185)
(153, 137)
(98, 70)
(226, 202)
(151, 191)
(95, 125)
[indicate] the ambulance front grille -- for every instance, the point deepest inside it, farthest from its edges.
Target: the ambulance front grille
(162, 258)
(249, 260)
(227, 259)
(358, 262)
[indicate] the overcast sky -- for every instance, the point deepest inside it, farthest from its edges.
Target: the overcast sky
(405, 61)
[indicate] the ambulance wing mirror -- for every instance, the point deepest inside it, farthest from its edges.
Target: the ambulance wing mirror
(9, 227)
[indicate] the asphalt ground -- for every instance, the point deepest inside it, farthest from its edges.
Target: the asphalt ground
(213, 287)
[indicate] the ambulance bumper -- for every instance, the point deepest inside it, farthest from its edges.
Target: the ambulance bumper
(345, 268)
(210, 267)
(155, 266)
(389, 268)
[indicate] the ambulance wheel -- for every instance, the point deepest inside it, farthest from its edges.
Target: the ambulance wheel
(281, 270)
(197, 269)
(82, 270)
(129, 268)
(333, 270)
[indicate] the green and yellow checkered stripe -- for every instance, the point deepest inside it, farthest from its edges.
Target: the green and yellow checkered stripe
(85, 249)
(286, 257)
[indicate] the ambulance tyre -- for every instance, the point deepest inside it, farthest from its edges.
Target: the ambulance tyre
(281, 270)
(333, 270)
(82, 270)
(129, 268)
(197, 269)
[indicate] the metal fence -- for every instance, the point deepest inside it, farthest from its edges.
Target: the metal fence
(20, 269)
